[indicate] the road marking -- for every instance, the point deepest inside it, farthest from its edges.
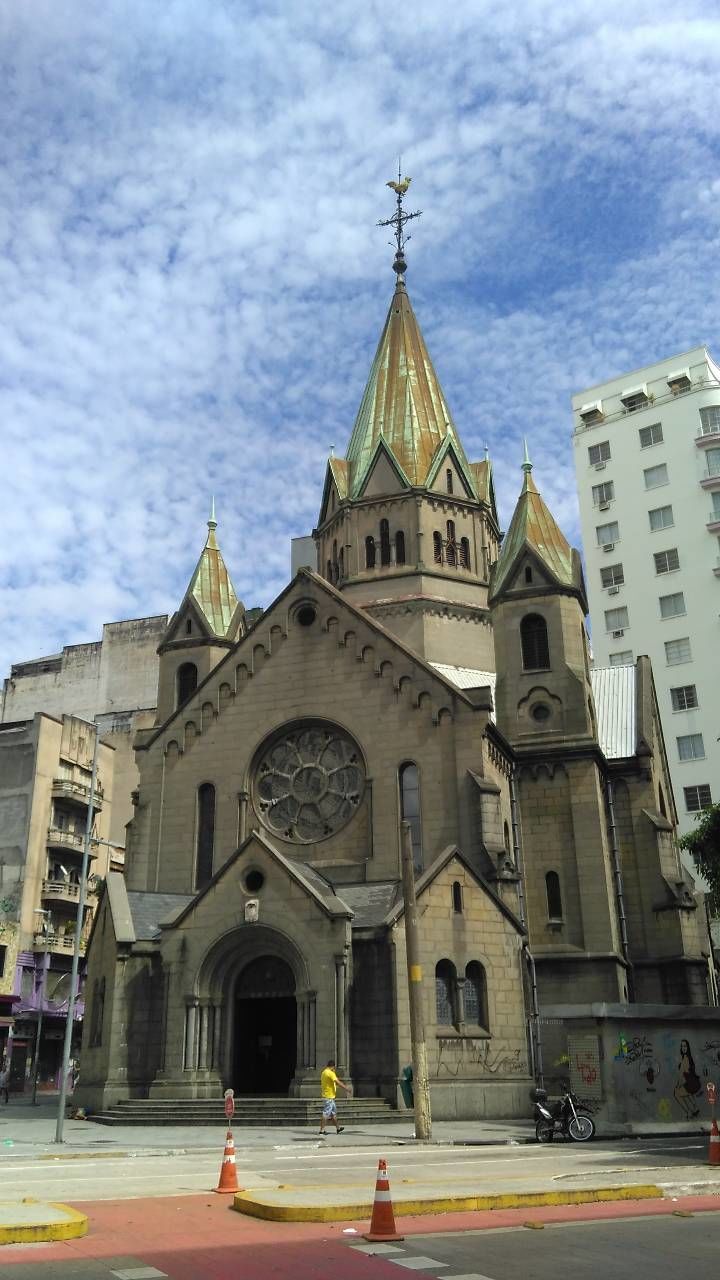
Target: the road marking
(376, 1248)
(139, 1273)
(417, 1264)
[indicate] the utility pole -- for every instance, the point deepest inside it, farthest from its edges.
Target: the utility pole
(38, 911)
(76, 948)
(421, 1087)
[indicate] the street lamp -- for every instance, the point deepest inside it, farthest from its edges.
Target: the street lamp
(38, 911)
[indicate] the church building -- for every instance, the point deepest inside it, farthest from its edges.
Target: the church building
(428, 671)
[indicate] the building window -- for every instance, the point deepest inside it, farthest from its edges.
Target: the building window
(684, 697)
(656, 476)
(464, 553)
(710, 420)
(599, 453)
(335, 570)
(186, 681)
(713, 463)
(449, 480)
(661, 518)
(445, 986)
(612, 575)
(697, 798)
(451, 551)
(691, 746)
(369, 552)
(384, 542)
(475, 995)
(616, 619)
(637, 400)
(666, 561)
(677, 651)
(205, 835)
(608, 534)
(672, 606)
(457, 900)
(650, 435)
(554, 896)
(603, 492)
(528, 573)
(534, 642)
(3, 954)
(622, 658)
(341, 562)
(188, 627)
(409, 780)
(437, 547)
(399, 547)
(328, 571)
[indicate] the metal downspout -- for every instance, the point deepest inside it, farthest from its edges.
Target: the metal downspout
(619, 893)
(517, 854)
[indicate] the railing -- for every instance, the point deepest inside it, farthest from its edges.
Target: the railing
(68, 789)
(714, 517)
(64, 943)
(62, 890)
(66, 839)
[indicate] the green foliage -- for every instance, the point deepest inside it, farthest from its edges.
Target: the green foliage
(704, 845)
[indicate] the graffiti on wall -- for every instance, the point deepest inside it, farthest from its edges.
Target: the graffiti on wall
(460, 1055)
(584, 1062)
(663, 1074)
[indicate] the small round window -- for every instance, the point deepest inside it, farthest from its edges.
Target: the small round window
(306, 615)
(540, 712)
(254, 881)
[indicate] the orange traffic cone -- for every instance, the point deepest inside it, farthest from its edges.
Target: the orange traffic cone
(228, 1174)
(714, 1145)
(382, 1226)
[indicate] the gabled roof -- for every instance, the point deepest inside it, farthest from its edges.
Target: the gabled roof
(445, 449)
(403, 401)
(434, 870)
(533, 529)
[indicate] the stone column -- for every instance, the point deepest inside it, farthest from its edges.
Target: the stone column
(460, 1001)
(341, 1013)
(191, 1011)
(203, 1035)
(217, 1038)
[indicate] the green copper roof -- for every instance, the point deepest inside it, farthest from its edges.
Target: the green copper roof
(210, 586)
(403, 402)
(533, 527)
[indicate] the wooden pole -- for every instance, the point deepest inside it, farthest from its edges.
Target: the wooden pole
(421, 1088)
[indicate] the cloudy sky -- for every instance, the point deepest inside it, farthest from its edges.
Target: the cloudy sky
(192, 282)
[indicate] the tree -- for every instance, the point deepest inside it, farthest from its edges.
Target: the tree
(704, 845)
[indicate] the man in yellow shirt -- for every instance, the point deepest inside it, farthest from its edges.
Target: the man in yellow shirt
(329, 1082)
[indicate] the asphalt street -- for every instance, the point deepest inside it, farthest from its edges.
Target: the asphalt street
(305, 1163)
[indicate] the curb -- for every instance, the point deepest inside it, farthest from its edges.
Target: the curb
(256, 1207)
(63, 1223)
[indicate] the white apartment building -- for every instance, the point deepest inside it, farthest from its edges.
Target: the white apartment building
(647, 460)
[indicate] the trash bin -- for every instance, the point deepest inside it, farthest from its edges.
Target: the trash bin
(406, 1086)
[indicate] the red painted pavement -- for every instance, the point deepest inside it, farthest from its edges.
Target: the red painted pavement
(202, 1238)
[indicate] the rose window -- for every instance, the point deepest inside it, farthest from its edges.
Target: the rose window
(309, 783)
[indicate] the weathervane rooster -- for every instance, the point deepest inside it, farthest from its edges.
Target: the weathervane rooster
(399, 187)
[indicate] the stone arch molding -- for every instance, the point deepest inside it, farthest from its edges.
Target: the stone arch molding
(228, 956)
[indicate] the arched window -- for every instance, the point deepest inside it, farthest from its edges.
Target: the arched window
(328, 573)
(475, 993)
(457, 900)
(534, 641)
(554, 896)
(445, 990)
(528, 573)
(437, 547)
(409, 780)
(205, 834)
(185, 682)
(369, 552)
(341, 562)
(451, 551)
(335, 573)
(399, 547)
(449, 480)
(384, 542)
(464, 553)
(188, 627)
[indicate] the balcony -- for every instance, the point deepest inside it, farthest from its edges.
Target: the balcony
(711, 479)
(713, 520)
(707, 439)
(66, 839)
(65, 892)
(58, 943)
(77, 792)
(716, 570)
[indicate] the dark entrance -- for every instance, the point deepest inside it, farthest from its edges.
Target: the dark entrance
(265, 1027)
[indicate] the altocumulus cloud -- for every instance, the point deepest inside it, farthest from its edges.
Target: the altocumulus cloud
(193, 283)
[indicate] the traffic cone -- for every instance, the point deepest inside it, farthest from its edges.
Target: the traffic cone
(382, 1226)
(228, 1183)
(714, 1145)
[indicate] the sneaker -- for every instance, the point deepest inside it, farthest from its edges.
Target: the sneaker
(341, 1128)
(322, 1134)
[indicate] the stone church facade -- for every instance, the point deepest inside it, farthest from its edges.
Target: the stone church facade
(430, 672)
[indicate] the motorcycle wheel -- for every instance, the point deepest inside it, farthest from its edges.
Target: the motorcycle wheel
(544, 1130)
(582, 1129)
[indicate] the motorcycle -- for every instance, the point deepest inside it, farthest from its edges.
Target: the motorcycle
(562, 1117)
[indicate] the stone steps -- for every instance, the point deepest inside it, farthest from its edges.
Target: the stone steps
(280, 1111)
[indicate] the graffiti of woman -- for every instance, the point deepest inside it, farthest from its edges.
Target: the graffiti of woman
(688, 1083)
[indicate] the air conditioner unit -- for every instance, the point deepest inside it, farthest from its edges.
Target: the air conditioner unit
(608, 546)
(600, 466)
(618, 635)
(613, 591)
(604, 506)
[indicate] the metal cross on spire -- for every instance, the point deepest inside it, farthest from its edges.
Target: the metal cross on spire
(398, 221)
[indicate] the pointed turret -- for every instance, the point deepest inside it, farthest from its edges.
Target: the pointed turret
(209, 621)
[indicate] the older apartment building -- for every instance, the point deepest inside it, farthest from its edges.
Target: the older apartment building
(647, 458)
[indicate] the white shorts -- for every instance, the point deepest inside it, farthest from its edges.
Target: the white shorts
(329, 1109)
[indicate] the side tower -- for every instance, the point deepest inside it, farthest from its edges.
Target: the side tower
(408, 526)
(209, 621)
(545, 708)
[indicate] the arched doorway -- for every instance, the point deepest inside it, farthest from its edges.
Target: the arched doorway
(265, 1036)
